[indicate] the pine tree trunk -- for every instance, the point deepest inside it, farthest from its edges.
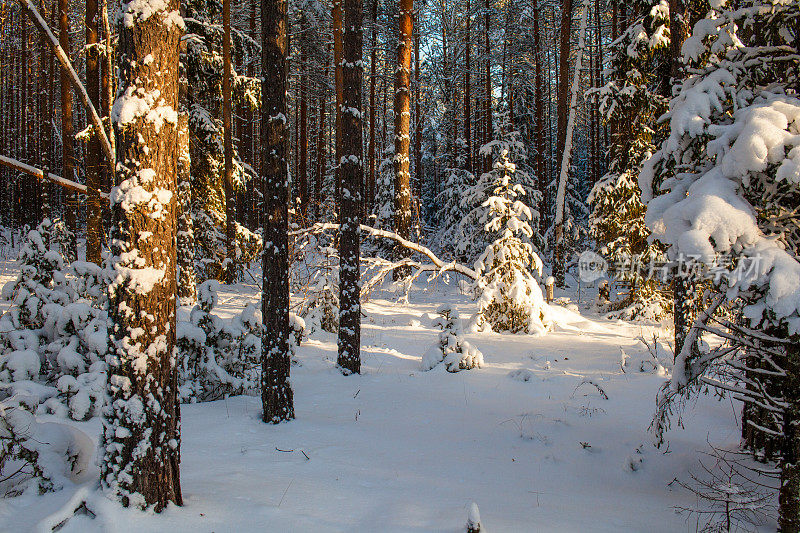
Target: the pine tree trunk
(302, 167)
(337, 69)
(276, 391)
(94, 179)
(541, 171)
(67, 129)
(141, 429)
(370, 192)
(230, 196)
(563, 75)
(468, 91)
(402, 145)
(352, 172)
(418, 170)
(487, 97)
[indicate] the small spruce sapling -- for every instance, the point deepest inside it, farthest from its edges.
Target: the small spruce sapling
(452, 349)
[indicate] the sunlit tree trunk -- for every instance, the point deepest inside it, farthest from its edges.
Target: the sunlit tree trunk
(141, 427)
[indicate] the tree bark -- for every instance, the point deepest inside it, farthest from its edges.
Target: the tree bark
(402, 116)
(337, 69)
(276, 391)
(302, 167)
(418, 170)
(94, 178)
(67, 129)
(468, 91)
(230, 196)
(349, 342)
(141, 427)
(541, 170)
(370, 192)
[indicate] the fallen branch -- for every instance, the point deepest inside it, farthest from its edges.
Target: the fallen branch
(38, 21)
(39, 174)
(440, 266)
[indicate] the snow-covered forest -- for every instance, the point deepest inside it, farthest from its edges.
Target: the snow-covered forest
(400, 265)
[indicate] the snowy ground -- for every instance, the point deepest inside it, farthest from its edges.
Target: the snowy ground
(397, 449)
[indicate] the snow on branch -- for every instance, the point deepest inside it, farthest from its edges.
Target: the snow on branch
(38, 173)
(38, 21)
(438, 265)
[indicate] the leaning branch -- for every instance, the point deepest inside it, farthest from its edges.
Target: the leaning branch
(442, 266)
(38, 21)
(39, 174)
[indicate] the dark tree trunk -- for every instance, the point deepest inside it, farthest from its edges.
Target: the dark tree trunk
(230, 196)
(94, 177)
(141, 429)
(468, 92)
(370, 192)
(67, 129)
(302, 149)
(276, 391)
(337, 70)
(541, 170)
(352, 172)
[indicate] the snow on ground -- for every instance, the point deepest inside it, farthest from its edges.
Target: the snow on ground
(397, 449)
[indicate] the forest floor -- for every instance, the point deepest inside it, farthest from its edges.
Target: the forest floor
(526, 437)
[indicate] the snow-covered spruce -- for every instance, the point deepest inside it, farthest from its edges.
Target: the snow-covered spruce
(631, 103)
(53, 338)
(510, 298)
(452, 349)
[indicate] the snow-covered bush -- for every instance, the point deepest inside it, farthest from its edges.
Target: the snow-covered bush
(510, 298)
(44, 455)
(54, 338)
(452, 349)
(209, 368)
(217, 360)
(321, 307)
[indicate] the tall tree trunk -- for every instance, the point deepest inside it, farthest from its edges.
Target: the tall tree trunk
(418, 170)
(370, 192)
(320, 151)
(337, 69)
(276, 391)
(302, 167)
(563, 74)
(94, 179)
(352, 172)
(45, 120)
(67, 129)
(541, 148)
(402, 145)
(141, 429)
(487, 102)
(468, 91)
(230, 196)
(559, 266)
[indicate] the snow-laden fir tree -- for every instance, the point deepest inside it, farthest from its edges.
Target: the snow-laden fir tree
(510, 298)
(630, 103)
(452, 349)
(724, 189)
